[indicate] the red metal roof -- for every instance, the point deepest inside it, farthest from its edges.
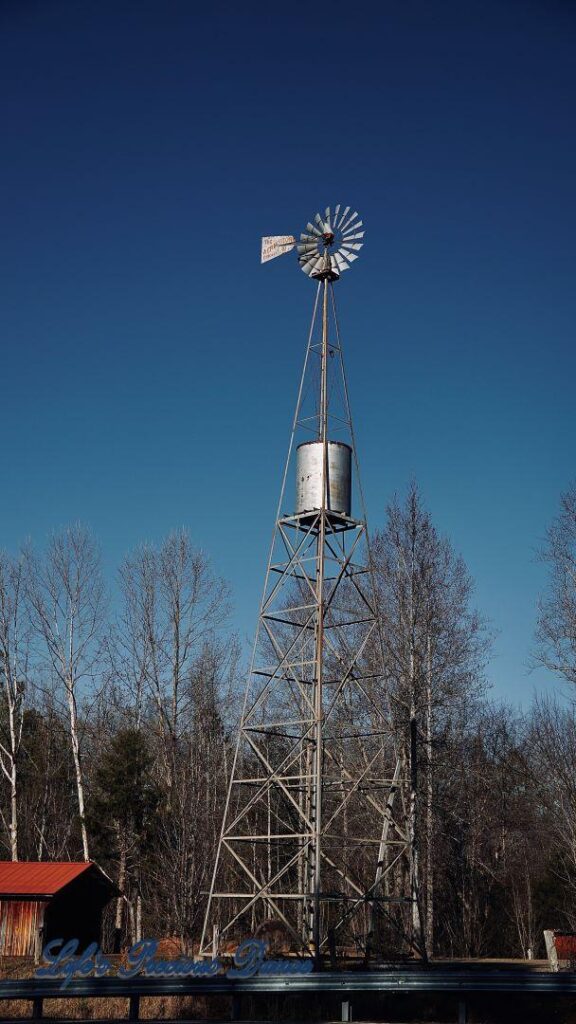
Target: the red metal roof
(38, 878)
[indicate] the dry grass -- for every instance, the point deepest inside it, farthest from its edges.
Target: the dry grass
(151, 1007)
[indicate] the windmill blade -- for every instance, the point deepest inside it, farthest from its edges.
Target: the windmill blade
(315, 258)
(350, 256)
(313, 264)
(353, 238)
(348, 222)
(307, 255)
(336, 212)
(340, 262)
(310, 266)
(327, 221)
(276, 245)
(353, 245)
(319, 222)
(314, 230)
(343, 217)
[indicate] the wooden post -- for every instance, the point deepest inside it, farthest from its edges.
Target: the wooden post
(134, 1011)
(462, 1015)
(37, 1008)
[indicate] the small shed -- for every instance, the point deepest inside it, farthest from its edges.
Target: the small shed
(44, 900)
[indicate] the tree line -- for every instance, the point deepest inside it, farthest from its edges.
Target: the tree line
(118, 720)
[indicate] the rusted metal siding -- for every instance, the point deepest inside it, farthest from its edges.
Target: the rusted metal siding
(20, 924)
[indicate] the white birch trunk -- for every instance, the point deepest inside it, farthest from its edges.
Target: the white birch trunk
(13, 669)
(78, 769)
(429, 806)
(121, 884)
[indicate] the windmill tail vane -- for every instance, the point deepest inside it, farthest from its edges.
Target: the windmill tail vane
(327, 247)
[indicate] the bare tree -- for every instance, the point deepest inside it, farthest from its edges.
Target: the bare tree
(47, 817)
(556, 629)
(188, 833)
(178, 671)
(487, 820)
(173, 606)
(66, 595)
(434, 647)
(553, 745)
(14, 666)
(133, 643)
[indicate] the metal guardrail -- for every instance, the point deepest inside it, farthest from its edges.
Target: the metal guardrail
(432, 979)
(459, 980)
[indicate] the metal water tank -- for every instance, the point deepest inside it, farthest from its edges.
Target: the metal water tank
(309, 458)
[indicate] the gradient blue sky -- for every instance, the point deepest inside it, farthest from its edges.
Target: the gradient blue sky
(149, 364)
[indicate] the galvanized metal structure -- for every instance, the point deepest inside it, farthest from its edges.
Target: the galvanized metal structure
(314, 836)
(309, 462)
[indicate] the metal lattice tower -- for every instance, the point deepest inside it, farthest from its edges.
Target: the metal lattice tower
(314, 837)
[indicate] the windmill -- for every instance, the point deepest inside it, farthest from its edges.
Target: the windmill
(315, 839)
(327, 247)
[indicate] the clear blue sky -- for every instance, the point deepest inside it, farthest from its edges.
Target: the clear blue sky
(149, 364)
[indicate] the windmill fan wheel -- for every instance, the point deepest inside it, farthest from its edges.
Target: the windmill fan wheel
(330, 244)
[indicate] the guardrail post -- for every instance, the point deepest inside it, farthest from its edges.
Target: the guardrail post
(37, 1008)
(346, 1014)
(134, 1011)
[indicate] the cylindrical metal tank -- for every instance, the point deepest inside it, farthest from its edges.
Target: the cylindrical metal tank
(309, 458)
